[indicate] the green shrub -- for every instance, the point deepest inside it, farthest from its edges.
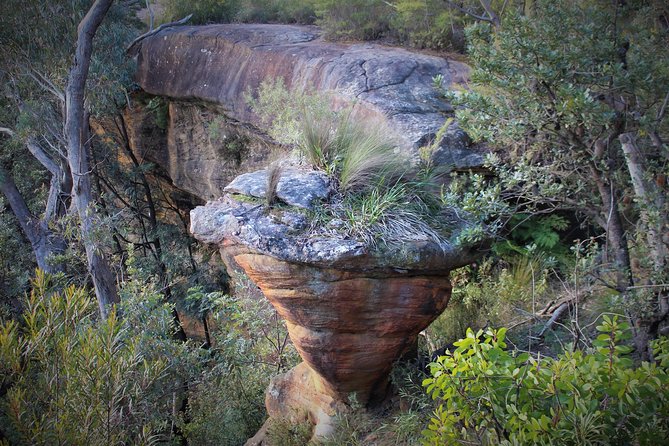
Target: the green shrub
(353, 19)
(285, 433)
(250, 344)
(70, 379)
(279, 11)
(281, 110)
(429, 24)
(491, 396)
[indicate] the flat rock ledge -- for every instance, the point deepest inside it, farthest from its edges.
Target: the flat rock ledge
(288, 236)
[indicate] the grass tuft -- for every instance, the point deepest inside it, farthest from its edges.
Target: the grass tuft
(359, 155)
(273, 177)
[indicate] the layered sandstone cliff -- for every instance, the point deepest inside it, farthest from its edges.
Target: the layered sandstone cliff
(205, 74)
(351, 309)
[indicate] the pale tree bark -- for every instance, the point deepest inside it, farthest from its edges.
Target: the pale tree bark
(76, 131)
(651, 200)
(45, 243)
(653, 217)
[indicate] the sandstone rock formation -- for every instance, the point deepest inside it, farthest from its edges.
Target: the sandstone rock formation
(217, 65)
(351, 310)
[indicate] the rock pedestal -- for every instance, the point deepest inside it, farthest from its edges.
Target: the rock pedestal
(349, 326)
(351, 311)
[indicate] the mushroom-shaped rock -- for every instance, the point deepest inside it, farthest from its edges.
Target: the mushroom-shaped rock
(351, 310)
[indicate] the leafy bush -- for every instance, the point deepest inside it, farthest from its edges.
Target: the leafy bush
(281, 110)
(280, 11)
(204, 11)
(492, 396)
(250, 344)
(428, 24)
(70, 379)
(285, 433)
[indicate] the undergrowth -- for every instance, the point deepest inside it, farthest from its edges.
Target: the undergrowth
(489, 395)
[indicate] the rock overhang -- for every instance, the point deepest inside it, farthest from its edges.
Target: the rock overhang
(221, 64)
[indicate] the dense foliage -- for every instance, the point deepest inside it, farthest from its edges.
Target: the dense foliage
(491, 396)
(69, 379)
(573, 100)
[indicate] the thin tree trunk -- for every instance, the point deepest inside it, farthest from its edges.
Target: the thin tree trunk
(650, 201)
(641, 327)
(44, 243)
(75, 131)
(653, 217)
(615, 232)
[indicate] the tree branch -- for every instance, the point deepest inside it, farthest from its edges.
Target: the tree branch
(19, 207)
(46, 84)
(7, 131)
(662, 110)
(467, 12)
(133, 44)
(40, 155)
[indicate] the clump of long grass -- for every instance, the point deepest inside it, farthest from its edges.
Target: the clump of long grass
(389, 216)
(358, 154)
(382, 199)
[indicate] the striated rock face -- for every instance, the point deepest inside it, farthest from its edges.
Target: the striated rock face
(220, 64)
(349, 326)
(198, 150)
(351, 310)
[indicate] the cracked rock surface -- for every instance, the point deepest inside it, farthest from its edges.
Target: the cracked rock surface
(220, 64)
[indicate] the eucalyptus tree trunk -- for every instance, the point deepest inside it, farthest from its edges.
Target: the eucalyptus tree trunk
(44, 243)
(76, 131)
(653, 219)
(649, 198)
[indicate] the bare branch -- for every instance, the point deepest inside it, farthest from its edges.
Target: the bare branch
(151, 18)
(7, 131)
(19, 206)
(391, 5)
(133, 44)
(660, 112)
(40, 155)
(501, 11)
(52, 201)
(60, 153)
(467, 12)
(46, 84)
